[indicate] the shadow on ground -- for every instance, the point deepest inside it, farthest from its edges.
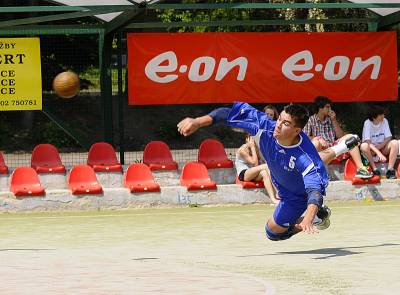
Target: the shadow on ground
(329, 252)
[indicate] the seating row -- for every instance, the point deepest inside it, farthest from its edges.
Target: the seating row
(138, 178)
(82, 179)
(102, 158)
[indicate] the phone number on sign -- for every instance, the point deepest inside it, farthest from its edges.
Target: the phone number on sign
(22, 102)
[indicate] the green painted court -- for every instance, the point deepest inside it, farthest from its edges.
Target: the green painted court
(207, 250)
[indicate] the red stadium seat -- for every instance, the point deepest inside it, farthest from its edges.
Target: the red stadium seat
(335, 161)
(138, 179)
(3, 166)
(195, 177)
(350, 170)
(46, 159)
(157, 156)
(212, 154)
(82, 180)
(25, 182)
(250, 184)
(103, 159)
(339, 159)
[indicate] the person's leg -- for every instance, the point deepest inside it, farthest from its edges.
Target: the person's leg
(365, 148)
(322, 220)
(327, 155)
(354, 153)
(269, 187)
(342, 147)
(362, 171)
(392, 148)
(281, 225)
(276, 232)
(253, 173)
(316, 143)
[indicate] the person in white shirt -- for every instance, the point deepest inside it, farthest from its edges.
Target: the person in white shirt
(377, 143)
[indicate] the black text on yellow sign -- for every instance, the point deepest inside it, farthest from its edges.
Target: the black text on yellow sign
(20, 74)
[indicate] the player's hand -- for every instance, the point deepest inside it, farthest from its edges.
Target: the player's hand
(188, 126)
(306, 227)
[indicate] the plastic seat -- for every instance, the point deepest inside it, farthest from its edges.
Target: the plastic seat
(350, 170)
(212, 154)
(103, 159)
(3, 166)
(335, 161)
(195, 177)
(46, 159)
(157, 156)
(250, 184)
(25, 182)
(138, 179)
(82, 180)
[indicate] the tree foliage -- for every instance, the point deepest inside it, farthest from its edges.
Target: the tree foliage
(172, 15)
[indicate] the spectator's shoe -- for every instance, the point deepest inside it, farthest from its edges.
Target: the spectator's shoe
(363, 173)
(322, 218)
(377, 172)
(391, 174)
(352, 142)
(364, 159)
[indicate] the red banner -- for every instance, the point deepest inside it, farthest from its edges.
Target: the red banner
(185, 68)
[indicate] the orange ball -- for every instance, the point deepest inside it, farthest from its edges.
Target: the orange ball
(66, 84)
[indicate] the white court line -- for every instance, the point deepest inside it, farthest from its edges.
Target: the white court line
(164, 213)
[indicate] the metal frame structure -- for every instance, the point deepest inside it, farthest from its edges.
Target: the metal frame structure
(130, 17)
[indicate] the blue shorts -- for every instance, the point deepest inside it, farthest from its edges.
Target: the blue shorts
(287, 213)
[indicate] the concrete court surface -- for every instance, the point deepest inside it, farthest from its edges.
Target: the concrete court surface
(207, 250)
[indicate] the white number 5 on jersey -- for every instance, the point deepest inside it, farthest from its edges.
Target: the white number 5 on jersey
(291, 162)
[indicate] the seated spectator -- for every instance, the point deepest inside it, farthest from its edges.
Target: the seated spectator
(273, 114)
(377, 142)
(325, 131)
(249, 167)
(271, 111)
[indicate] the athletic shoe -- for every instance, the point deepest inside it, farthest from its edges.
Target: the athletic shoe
(364, 173)
(391, 174)
(377, 172)
(352, 141)
(322, 218)
(364, 159)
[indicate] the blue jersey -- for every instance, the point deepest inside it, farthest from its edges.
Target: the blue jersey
(294, 169)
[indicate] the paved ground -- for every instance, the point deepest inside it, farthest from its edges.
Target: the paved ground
(220, 250)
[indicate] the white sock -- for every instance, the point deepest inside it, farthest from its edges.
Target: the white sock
(340, 148)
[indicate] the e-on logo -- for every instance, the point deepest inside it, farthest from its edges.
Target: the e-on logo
(303, 61)
(154, 68)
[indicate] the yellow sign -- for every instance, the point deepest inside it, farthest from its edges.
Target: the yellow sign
(20, 74)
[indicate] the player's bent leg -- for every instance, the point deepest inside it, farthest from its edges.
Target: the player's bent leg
(273, 236)
(281, 225)
(321, 220)
(275, 232)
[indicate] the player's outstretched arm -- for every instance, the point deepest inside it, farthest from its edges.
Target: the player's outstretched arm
(190, 125)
